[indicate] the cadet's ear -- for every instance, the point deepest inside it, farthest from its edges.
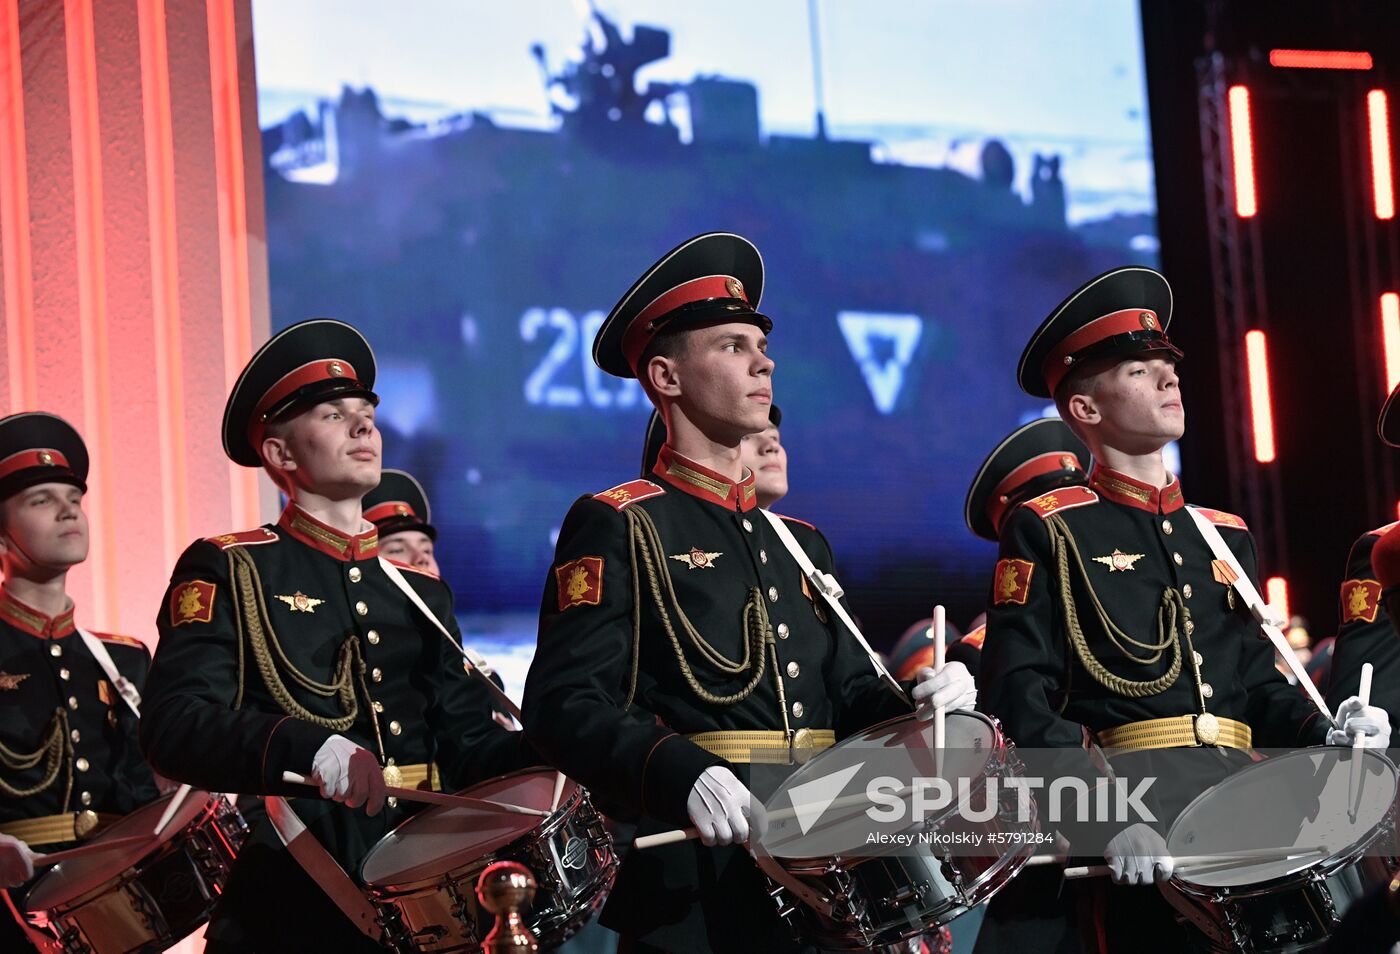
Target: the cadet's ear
(1083, 409)
(277, 456)
(663, 376)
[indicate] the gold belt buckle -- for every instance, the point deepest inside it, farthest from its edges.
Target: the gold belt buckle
(392, 776)
(1207, 729)
(84, 822)
(803, 746)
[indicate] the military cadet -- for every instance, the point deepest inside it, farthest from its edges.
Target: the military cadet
(399, 508)
(1111, 618)
(69, 762)
(1366, 633)
(293, 647)
(678, 640)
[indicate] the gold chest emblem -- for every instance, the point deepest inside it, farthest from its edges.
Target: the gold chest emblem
(300, 602)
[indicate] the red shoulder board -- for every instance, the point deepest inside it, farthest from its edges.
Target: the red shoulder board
(245, 538)
(629, 493)
(1066, 498)
(120, 640)
(1380, 531)
(414, 569)
(975, 637)
(1221, 519)
(795, 520)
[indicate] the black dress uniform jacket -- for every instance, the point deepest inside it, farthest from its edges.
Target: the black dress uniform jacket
(1144, 558)
(272, 641)
(56, 700)
(616, 686)
(1366, 635)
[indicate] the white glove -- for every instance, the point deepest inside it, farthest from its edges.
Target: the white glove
(1353, 719)
(16, 862)
(1138, 855)
(349, 773)
(722, 809)
(951, 687)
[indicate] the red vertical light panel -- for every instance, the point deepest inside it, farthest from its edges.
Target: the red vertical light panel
(1321, 59)
(1276, 592)
(1261, 411)
(92, 299)
(14, 220)
(1378, 111)
(233, 229)
(165, 278)
(1390, 338)
(1242, 150)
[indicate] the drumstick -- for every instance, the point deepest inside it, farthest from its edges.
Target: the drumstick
(171, 809)
(940, 651)
(58, 857)
(1359, 743)
(434, 798)
(558, 791)
(1187, 862)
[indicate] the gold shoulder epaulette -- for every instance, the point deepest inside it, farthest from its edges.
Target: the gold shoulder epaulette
(1221, 519)
(120, 640)
(624, 495)
(415, 569)
(1066, 498)
(244, 538)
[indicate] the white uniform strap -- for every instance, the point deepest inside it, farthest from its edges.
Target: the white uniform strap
(128, 692)
(476, 662)
(826, 585)
(1245, 587)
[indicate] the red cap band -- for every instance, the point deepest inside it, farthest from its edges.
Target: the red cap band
(322, 369)
(388, 509)
(1117, 323)
(1042, 464)
(34, 457)
(638, 334)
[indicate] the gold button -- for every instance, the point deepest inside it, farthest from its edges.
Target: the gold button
(378, 706)
(362, 609)
(748, 526)
(772, 594)
(783, 630)
(64, 674)
(1190, 627)
(355, 574)
(1186, 591)
(85, 798)
(1166, 526)
(55, 650)
(81, 765)
(75, 735)
(794, 670)
(797, 710)
(392, 802)
(1176, 558)
(377, 674)
(1206, 690)
(373, 637)
(1198, 657)
(762, 556)
(395, 728)
(72, 702)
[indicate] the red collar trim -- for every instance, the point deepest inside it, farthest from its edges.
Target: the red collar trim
(689, 477)
(1120, 488)
(27, 618)
(312, 532)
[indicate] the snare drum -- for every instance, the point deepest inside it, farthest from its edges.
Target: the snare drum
(838, 892)
(422, 875)
(1298, 802)
(141, 898)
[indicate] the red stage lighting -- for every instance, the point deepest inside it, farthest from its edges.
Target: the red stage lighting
(1260, 404)
(1377, 109)
(1242, 152)
(1276, 592)
(1390, 338)
(1320, 59)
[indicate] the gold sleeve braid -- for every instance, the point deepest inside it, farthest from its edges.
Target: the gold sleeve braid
(1170, 611)
(646, 555)
(56, 753)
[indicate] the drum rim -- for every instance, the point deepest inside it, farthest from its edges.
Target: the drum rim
(1007, 751)
(1330, 863)
(567, 807)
